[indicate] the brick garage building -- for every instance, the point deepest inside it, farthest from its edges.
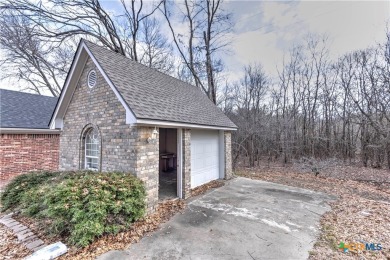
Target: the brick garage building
(26, 142)
(115, 114)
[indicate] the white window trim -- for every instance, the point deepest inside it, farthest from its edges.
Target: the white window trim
(90, 156)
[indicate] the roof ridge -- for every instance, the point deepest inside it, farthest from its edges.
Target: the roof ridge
(21, 92)
(139, 63)
(154, 95)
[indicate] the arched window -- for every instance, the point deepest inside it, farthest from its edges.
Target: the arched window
(92, 149)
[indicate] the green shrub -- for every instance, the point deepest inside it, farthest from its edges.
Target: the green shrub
(17, 188)
(81, 205)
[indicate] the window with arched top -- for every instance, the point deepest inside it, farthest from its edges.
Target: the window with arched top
(92, 149)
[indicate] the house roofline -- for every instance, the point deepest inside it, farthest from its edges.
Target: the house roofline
(56, 120)
(160, 123)
(72, 79)
(28, 131)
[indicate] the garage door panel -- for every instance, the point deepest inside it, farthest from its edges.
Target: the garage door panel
(204, 156)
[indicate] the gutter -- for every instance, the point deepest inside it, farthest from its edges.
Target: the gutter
(159, 123)
(28, 131)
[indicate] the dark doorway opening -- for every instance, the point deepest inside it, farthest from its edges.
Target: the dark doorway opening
(168, 163)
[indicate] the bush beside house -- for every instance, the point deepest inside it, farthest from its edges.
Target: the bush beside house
(79, 205)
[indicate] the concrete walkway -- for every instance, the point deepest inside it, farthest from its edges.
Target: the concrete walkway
(245, 219)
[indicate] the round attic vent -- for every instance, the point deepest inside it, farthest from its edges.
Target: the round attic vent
(92, 78)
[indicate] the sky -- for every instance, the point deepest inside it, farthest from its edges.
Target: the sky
(264, 31)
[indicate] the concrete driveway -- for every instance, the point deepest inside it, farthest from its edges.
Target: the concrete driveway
(245, 219)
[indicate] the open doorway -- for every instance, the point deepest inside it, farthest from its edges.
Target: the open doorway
(168, 163)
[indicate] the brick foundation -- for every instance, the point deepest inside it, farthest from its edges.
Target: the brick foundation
(22, 153)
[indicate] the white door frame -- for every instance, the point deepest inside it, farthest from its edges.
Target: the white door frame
(179, 162)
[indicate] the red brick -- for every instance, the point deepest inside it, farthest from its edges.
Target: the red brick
(22, 153)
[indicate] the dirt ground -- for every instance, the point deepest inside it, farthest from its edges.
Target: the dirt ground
(361, 214)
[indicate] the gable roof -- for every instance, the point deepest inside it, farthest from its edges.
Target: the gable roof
(153, 95)
(148, 96)
(25, 110)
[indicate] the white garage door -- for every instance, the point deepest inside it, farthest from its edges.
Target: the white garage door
(204, 156)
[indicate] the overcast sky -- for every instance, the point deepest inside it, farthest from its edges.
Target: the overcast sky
(264, 31)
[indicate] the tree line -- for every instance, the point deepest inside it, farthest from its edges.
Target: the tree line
(316, 107)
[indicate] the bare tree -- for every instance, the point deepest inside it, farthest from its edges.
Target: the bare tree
(136, 18)
(370, 96)
(317, 109)
(250, 94)
(207, 25)
(55, 25)
(157, 52)
(59, 20)
(40, 66)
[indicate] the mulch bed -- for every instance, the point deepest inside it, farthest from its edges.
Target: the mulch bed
(360, 214)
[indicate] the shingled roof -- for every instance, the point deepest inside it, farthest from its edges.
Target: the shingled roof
(153, 95)
(24, 110)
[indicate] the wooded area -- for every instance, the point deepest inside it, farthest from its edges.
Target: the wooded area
(316, 107)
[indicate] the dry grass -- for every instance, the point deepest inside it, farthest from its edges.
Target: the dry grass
(360, 214)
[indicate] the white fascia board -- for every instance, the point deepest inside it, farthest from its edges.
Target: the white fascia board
(130, 117)
(57, 119)
(28, 131)
(166, 124)
(179, 173)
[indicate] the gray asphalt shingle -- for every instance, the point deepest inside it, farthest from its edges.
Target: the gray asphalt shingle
(153, 95)
(24, 110)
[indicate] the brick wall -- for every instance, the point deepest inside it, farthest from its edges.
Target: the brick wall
(228, 155)
(186, 179)
(100, 108)
(21, 153)
(122, 147)
(147, 164)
